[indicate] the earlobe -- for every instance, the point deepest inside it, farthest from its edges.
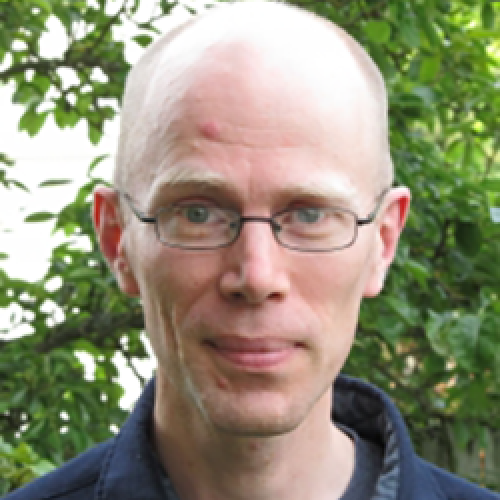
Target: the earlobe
(108, 226)
(391, 223)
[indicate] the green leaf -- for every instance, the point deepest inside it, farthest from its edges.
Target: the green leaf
(84, 273)
(403, 309)
(6, 161)
(60, 117)
(94, 134)
(32, 122)
(84, 103)
(35, 429)
(418, 271)
(72, 118)
(42, 83)
(70, 228)
(462, 434)
(481, 33)
(39, 217)
(3, 256)
(95, 162)
(54, 182)
(452, 336)
(5, 448)
(378, 32)
(468, 237)
(463, 334)
(18, 397)
(20, 185)
(134, 7)
(425, 93)
(492, 185)
(427, 25)
(435, 332)
(25, 94)
(143, 40)
(488, 15)
(43, 4)
(410, 34)
(41, 468)
(429, 69)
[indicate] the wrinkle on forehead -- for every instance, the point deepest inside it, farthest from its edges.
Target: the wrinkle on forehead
(162, 77)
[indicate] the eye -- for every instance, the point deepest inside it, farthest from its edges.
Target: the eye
(308, 215)
(197, 214)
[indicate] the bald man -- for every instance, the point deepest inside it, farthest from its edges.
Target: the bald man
(251, 212)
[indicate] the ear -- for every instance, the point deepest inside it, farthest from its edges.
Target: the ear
(390, 223)
(109, 228)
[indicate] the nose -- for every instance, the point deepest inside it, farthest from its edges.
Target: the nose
(255, 269)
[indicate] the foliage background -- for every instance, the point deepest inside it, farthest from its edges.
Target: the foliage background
(430, 339)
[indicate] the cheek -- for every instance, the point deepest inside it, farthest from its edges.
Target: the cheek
(334, 282)
(333, 289)
(189, 282)
(172, 285)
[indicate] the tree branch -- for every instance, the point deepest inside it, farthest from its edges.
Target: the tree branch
(91, 328)
(440, 249)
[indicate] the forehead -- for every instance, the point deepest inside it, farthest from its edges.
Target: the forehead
(240, 112)
(269, 80)
(264, 99)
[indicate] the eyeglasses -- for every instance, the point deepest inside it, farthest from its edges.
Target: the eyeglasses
(204, 226)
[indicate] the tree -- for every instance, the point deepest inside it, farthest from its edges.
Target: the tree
(429, 340)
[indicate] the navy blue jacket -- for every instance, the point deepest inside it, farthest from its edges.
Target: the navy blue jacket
(125, 467)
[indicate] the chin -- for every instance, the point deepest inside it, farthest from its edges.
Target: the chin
(255, 415)
(255, 425)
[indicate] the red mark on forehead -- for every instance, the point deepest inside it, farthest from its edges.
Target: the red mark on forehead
(209, 130)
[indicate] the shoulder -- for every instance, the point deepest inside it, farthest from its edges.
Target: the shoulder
(75, 480)
(456, 488)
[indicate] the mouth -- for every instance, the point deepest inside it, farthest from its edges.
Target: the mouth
(253, 354)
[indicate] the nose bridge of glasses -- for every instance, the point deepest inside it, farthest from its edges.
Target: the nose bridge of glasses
(254, 218)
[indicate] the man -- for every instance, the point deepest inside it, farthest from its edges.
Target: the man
(251, 212)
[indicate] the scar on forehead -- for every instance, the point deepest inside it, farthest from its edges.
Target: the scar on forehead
(209, 130)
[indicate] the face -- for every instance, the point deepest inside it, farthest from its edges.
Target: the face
(250, 337)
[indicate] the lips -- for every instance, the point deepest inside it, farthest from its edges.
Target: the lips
(253, 353)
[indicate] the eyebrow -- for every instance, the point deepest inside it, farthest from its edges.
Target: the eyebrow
(332, 187)
(184, 176)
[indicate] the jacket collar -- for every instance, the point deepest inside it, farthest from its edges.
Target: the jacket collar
(131, 469)
(370, 412)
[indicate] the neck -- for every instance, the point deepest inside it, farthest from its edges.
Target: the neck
(314, 460)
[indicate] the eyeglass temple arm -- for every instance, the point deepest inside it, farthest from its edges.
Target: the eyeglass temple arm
(140, 215)
(371, 217)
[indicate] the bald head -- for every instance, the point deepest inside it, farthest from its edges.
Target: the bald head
(266, 42)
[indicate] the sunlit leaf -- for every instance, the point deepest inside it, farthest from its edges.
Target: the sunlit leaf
(429, 68)
(95, 162)
(94, 134)
(39, 217)
(32, 121)
(55, 182)
(378, 31)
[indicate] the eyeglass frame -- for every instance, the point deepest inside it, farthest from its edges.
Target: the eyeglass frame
(275, 227)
